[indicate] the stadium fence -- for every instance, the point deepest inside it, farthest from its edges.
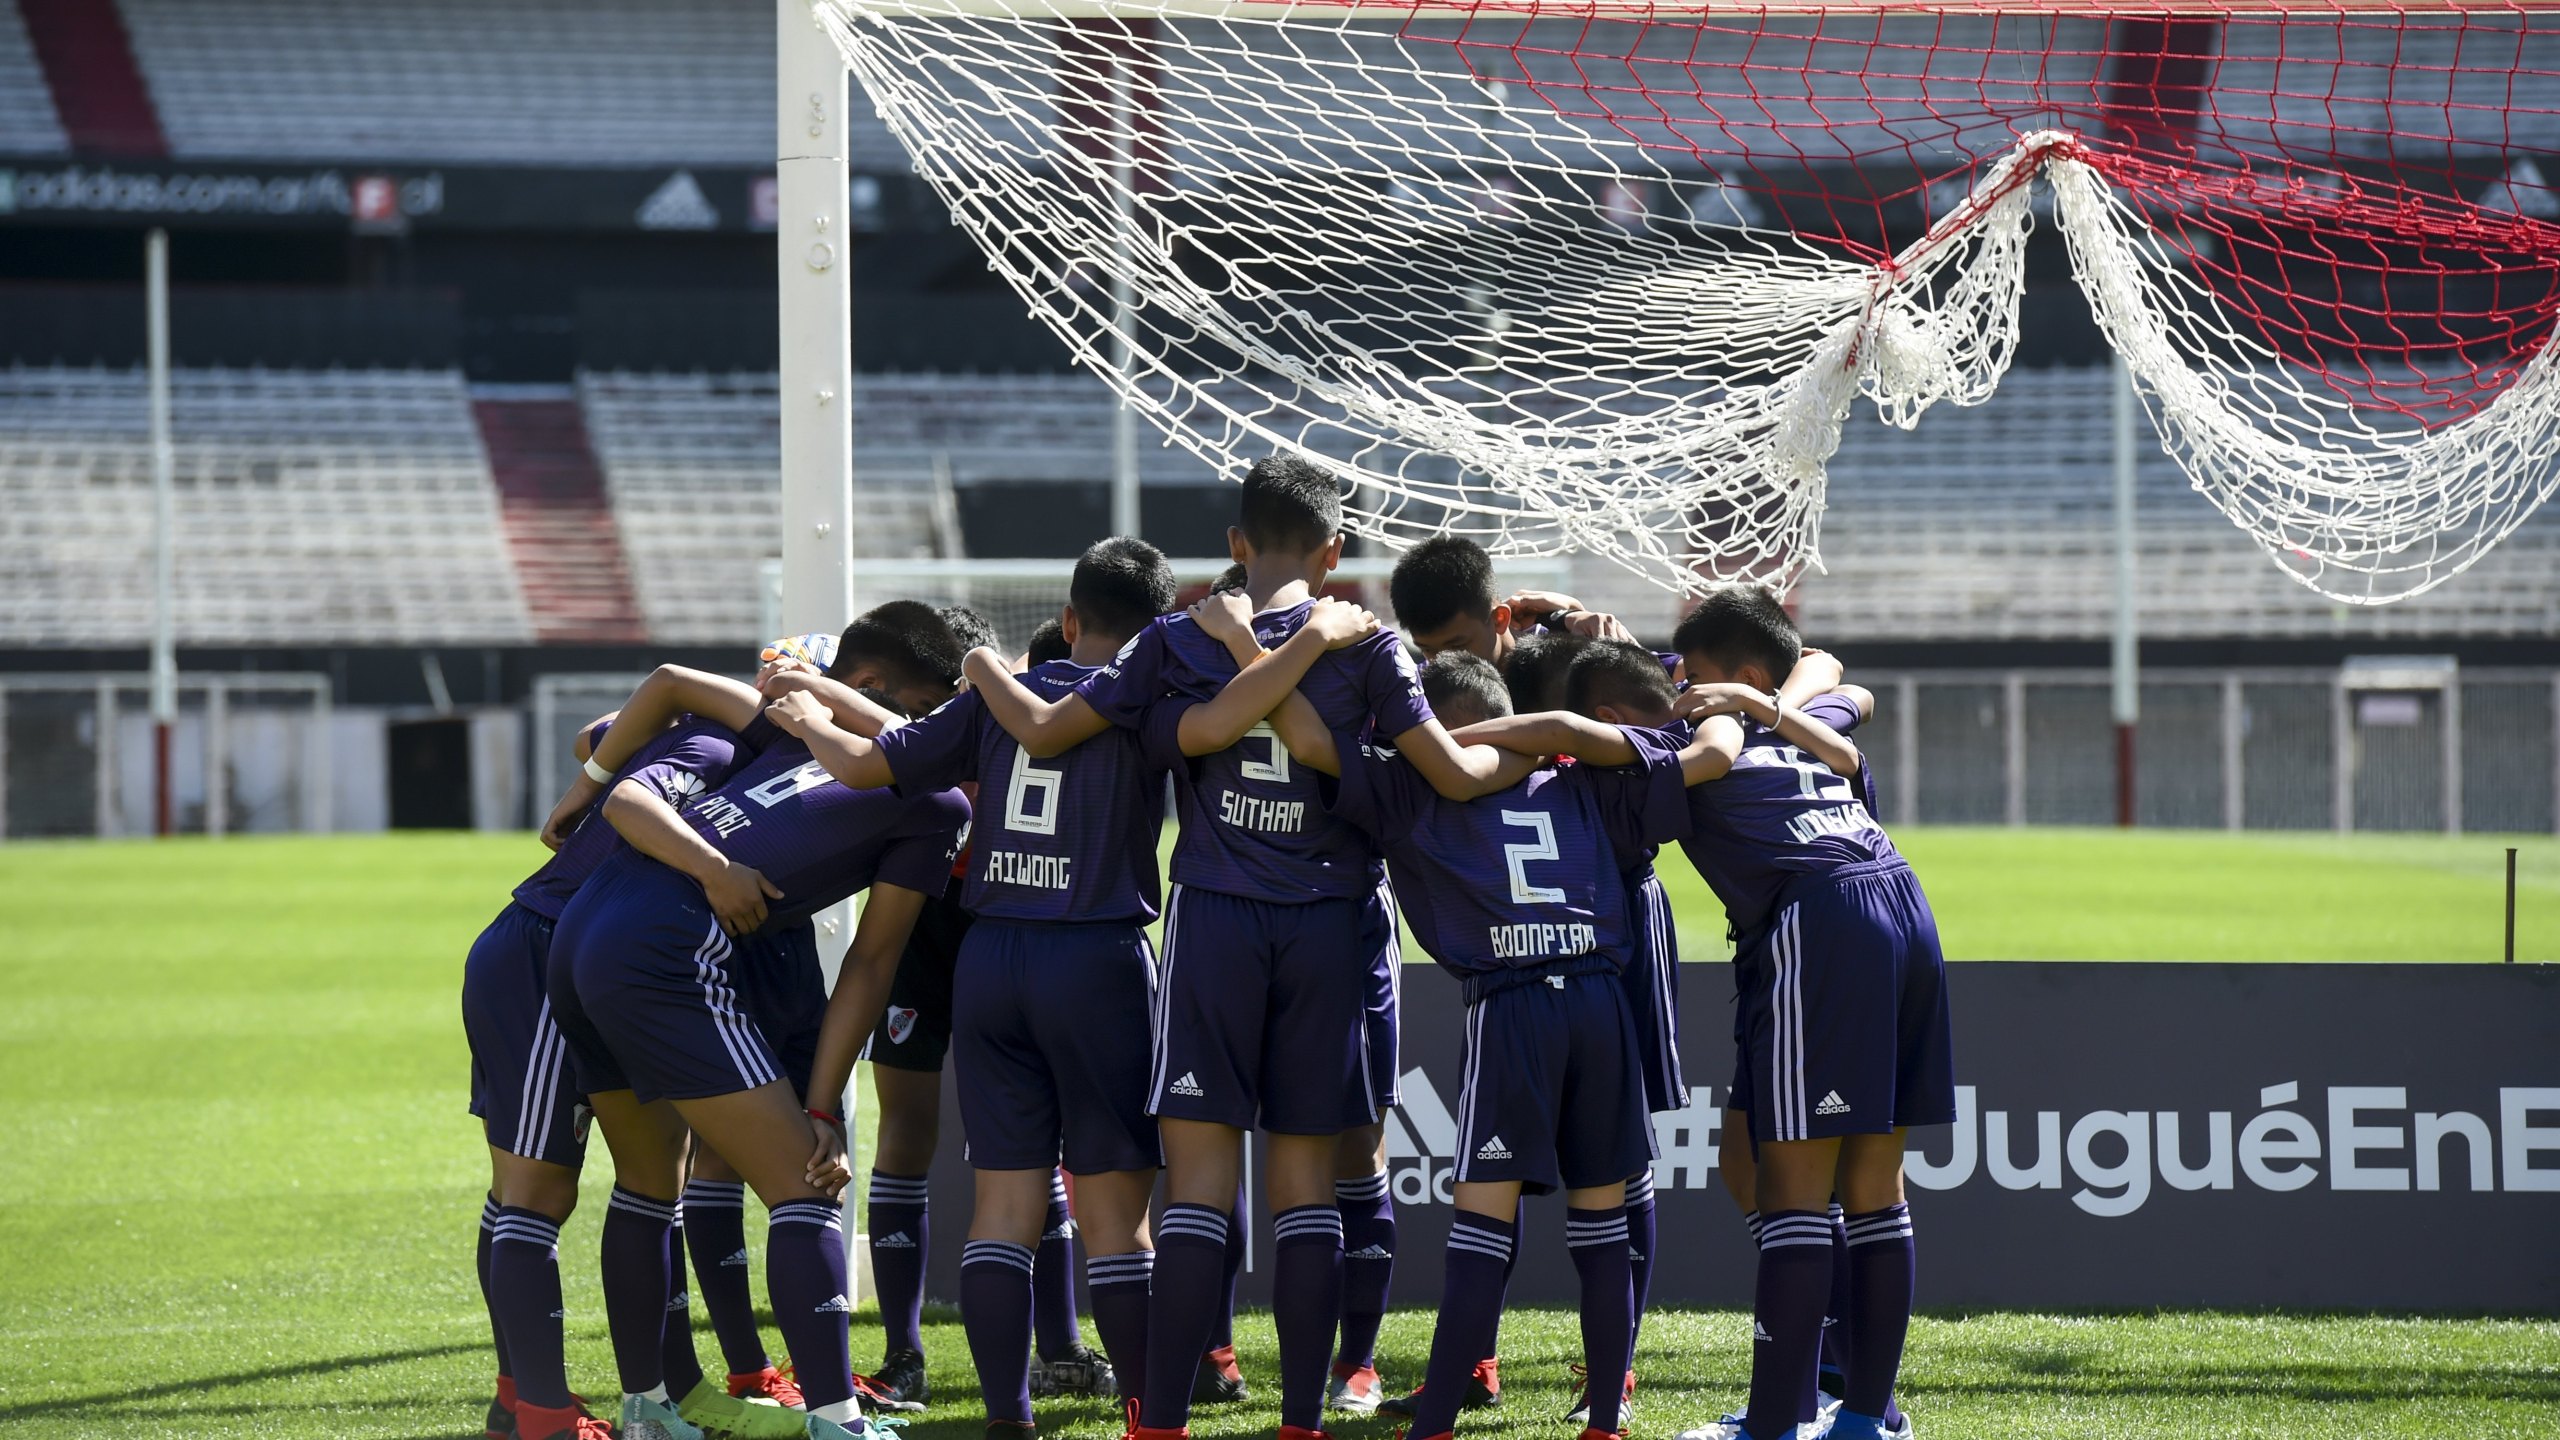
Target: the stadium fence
(250, 754)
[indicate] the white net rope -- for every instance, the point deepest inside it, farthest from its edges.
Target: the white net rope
(1324, 229)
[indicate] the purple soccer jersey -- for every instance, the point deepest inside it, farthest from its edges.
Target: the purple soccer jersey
(692, 756)
(1522, 879)
(819, 841)
(1254, 824)
(1777, 814)
(1065, 841)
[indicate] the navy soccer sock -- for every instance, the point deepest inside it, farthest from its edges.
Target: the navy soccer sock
(1833, 1374)
(524, 1293)
(1223, 1332)
(1598, 1241)
(480, 1262)
(1306, 1298)
(1120, 1285)
(635, 1262)
(804, 1272)
(715, 1235)
(1053, 1277)
(1191, 1254)
(679, 1364)
(1882, 1271)
(1519, 1227)
(995, 1310)
(1640, 1243)
(1472, 1279)
(1368, 1265)
(1786, 1320)
(901, 1235)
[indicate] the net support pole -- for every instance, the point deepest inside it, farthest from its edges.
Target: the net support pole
(1124, 194)
(164, 506)
(2123, 658)
(816, 379)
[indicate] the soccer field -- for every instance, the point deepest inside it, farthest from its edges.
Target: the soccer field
(240, 1190)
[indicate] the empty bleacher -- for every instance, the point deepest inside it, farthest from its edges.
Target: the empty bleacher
(28, 123)
(311, 507)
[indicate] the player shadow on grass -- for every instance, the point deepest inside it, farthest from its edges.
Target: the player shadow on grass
(127, 1399)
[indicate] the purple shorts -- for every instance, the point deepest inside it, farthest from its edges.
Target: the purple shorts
(1049, 1034)
(1263, 1017)
(643, 986)
(1844, 1010)
(1652, 981)
(521, 1088)
(1551, 1097)
(1386, 988)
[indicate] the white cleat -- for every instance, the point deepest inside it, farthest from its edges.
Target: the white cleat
(1357, 1393)
(1730, 1428)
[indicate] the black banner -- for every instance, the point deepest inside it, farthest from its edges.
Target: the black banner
(2325, 1136)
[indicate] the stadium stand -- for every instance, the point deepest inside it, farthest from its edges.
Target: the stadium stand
(28, 124)
(311, 507)
(537, 82)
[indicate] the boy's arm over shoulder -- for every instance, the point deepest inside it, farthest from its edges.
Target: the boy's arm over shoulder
(1645, 803)
(938, 751)
(1042, 728)
(1377, 789)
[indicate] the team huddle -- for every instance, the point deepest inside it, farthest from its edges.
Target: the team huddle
(1507, 794)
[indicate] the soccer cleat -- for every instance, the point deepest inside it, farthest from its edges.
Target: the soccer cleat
(821, 1428)
(1011, 1430)
(1730, 1428)
(1141, 1432)
(501, 1424)
(1300, 1432)
(1484, 1391)
(1839, 1424)
(1580, 1414)
(899, 1386)
(768, 1386)
(1219, 1382)
(718, 1412)
(1354, 1390)
(647, 1419)
(571, 1422)
(1590, 1434)
(1082, 1372)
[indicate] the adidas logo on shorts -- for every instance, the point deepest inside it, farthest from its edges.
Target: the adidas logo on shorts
(1189, 1084)
(739, 1259)
(1832, 1104)
(1493, 1149)
(900, 1241)
(834, 1305)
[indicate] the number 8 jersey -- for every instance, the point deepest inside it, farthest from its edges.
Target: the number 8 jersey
(1069, 840)
(819, 842)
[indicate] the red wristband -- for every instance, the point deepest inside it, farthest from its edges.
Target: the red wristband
(817, 1114)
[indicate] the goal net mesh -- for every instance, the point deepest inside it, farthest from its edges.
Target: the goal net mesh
(1603, 277)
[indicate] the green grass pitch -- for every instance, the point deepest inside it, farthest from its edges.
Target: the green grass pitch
(238, 1190)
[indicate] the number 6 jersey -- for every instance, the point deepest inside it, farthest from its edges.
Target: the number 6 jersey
(1068, 840)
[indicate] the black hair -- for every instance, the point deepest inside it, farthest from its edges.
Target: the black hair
(1120, 584)
(1738, 625)
(970, 628)
(1460, 681)
(1048, 643)
(1617, 674)
(1291, 506)
(906, 641)
(1438, 580)
(1229, 581)
(1536, 669)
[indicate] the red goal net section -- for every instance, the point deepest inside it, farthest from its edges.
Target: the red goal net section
(1610, 277)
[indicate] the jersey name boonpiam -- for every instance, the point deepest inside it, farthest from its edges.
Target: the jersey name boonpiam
(1515, 941)
(723, 814)
(1247, 813)
(1013, 867)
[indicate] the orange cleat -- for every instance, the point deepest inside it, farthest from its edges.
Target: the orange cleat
(571, 1422)
(770, 1386)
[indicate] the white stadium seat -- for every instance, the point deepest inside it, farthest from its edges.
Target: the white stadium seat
(28, 124)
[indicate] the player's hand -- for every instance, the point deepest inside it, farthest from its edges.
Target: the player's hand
(983, 667)
(1700, 701)
(798, 712)
(828, 1170)
(1598, 626)
(1226, 617)
(1340, 622)
(1528, 605)
(737, 895)
(786, 677)
(581, 797)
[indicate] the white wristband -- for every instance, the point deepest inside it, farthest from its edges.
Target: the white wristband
(1777, 709)
(598, 773)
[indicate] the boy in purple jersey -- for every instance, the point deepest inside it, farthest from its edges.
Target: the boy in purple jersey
(1056, 979)
(532, 1112)
(642, 979)
(1845, 1017)
(1519, 894)
(1264, 1015)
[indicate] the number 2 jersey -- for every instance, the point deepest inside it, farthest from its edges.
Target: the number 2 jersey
(1069, 840)
(1527, 879)
(1778, 814)
(819, 841)
(1253, 823)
